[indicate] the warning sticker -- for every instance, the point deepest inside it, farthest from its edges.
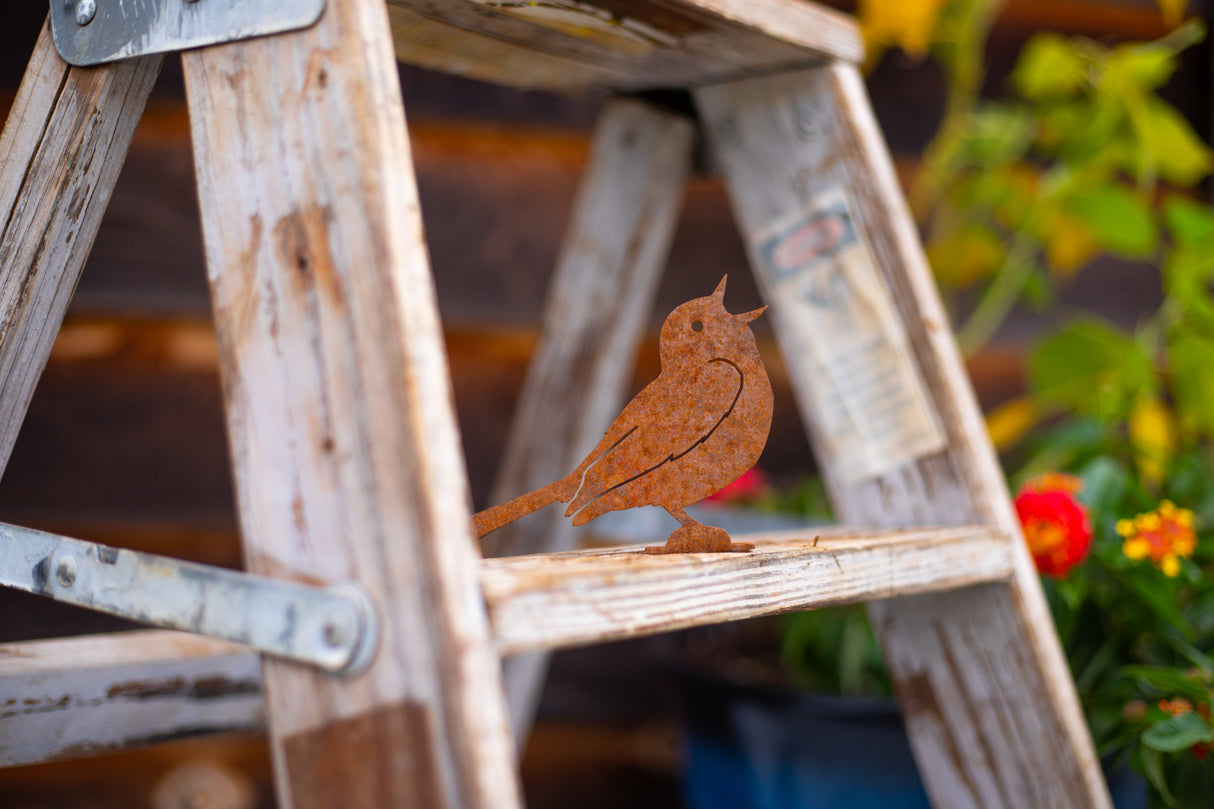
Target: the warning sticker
(869, 403)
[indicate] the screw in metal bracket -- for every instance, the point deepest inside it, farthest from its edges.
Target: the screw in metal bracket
(336, 633)
(65, 571)
(86, 10)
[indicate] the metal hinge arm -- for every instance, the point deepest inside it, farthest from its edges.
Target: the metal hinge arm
(333, 627)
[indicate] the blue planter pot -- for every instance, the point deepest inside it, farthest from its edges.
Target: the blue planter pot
(750, 747)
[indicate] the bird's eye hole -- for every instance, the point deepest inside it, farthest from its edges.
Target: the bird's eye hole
(697, 325)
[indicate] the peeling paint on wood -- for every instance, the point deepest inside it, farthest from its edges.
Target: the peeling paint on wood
(78, 696)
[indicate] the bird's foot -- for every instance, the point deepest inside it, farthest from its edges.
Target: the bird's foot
(697, 538)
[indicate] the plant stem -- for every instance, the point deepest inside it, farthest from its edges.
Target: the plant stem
(998, 299)
(965, 66)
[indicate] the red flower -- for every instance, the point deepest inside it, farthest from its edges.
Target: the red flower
(749, 486)
(1056, 525)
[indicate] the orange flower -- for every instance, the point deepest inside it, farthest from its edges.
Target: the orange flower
(1164, 536)
(1055, 524)
(1176, 707)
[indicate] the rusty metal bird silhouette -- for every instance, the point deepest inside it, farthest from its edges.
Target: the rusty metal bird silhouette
(689, 433)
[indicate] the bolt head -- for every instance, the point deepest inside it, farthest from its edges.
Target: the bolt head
(65, 571)
(336, 633)
(86, 10)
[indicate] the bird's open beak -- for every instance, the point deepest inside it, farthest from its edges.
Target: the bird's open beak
(719, 292)
(746, 317)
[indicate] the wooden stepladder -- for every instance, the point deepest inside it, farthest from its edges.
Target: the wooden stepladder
(348, 464)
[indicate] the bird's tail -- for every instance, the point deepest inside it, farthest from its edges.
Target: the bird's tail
(494, 518)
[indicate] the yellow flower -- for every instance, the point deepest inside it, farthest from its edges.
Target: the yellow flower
(1070, 245)
(907, 24)
(1173, 11)
(1163, 536)
(1008, 423)
(1153, 436)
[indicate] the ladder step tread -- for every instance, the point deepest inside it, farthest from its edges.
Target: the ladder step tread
(548, 601)
(570, 46)
(102, 692)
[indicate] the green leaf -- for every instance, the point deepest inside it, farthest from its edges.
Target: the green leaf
(1037, 291)
(1139, 66)
(1191, 358)
(1049, 67)
(997, 134)
(1187, 270)
(1089, 367)
(1104, 484)
(1146, 584)
(1118, 218)
(967, 254)
(1171, 146)
(1177, 733)
(1170, 682)
(1152, 767)
(1191, 222)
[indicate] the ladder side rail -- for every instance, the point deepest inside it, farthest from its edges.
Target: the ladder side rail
(983, 684)
(344, 442)
(64, 143)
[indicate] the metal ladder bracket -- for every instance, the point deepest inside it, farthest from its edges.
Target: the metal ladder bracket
(334, 628)
(93, 32)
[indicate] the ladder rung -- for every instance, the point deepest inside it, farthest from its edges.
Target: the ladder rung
(568, 599)
(75, 696)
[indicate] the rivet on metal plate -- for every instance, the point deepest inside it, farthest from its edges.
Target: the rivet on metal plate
(85, 12)
(65, 571)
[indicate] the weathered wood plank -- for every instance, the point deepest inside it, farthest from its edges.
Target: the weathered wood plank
(601, 296)
(544, 602)
(345, 447)
(618, 44)
(984, 686)
(78, 696)
(64, 143)
(86, 695)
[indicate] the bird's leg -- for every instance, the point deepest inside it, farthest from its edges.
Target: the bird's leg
(695, 537)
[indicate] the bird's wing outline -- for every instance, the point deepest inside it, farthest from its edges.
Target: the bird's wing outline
(659, 427)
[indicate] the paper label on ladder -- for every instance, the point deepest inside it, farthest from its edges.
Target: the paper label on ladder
(870, 406)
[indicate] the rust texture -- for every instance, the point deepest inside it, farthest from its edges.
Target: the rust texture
(688, 434)
(327, 765)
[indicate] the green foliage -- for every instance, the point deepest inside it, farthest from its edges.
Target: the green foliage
(1090, 367)
(1191, 361)
(1139, 642)
(1049, 69)
(833, 650)
(1177, 733)
(1116, 218)
(1020, 194)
